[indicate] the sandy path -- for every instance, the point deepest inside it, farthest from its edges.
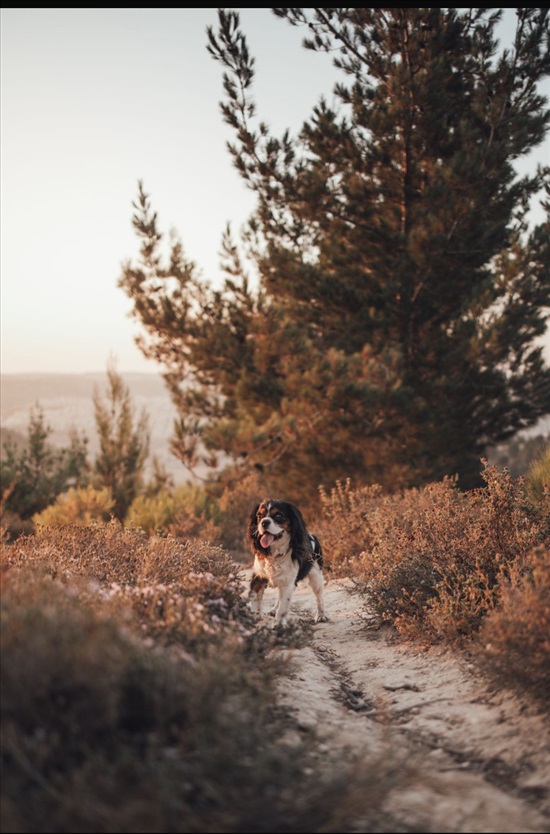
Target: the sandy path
(484, 755)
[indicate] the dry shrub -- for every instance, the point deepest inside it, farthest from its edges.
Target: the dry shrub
(501, 526)
(190, 526)
(514, 642)
(343, 527)
(182, 591)
(186, 591)
(538, 476)
(434, 560)
(399, 570)
(102, 552)
(104, 731)
(171, 560)
(14, 525)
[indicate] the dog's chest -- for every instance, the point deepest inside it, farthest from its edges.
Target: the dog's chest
(278, 570)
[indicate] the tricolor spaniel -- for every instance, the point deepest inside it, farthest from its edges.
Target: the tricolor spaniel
(284, 553)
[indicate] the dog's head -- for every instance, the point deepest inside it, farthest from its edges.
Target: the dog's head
(278, 525)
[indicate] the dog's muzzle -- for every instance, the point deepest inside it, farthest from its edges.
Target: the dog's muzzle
(267, 538)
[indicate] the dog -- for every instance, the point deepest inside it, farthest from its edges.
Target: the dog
(284, 554)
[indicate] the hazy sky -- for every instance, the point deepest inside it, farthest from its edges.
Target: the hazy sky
(92, 101)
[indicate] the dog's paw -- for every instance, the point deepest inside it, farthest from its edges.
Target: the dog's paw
(322, 618)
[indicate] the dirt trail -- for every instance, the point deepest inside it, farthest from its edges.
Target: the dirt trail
(484, 754)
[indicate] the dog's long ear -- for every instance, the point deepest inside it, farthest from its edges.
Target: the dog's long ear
(252, 527)
(299, 539)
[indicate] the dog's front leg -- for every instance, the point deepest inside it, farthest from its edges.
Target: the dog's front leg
(285, 595)
(258, 584)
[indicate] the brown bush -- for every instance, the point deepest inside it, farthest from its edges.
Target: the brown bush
(186, 591)
(343, 525)
(235, 503)
(14, 525)
(102, 552)
(181, 591)
(434, 560)
(514, 642)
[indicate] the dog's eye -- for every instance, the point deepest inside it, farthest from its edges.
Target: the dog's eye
(278, 517)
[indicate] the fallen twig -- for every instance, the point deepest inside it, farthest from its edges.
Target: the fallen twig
(415, 706)
(410, 686)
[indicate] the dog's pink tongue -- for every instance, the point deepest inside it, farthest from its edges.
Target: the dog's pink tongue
(266, 539)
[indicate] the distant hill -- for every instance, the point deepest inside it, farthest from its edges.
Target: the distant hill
(67, 402)
(20, 390)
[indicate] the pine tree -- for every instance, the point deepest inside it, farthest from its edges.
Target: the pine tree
(123, 441)
(393, 336)
(33, 476)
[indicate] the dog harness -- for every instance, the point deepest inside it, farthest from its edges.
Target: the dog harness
(315, 546)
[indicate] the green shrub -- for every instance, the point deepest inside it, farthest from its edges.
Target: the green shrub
(217, 513)
(77, 506)
(123, 442)
(186, 511)
(33, 475)
(152, 513)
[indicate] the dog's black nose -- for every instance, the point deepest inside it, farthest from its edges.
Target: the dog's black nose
(266, 522)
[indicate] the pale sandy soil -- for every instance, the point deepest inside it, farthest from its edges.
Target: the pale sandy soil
(481, 756)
